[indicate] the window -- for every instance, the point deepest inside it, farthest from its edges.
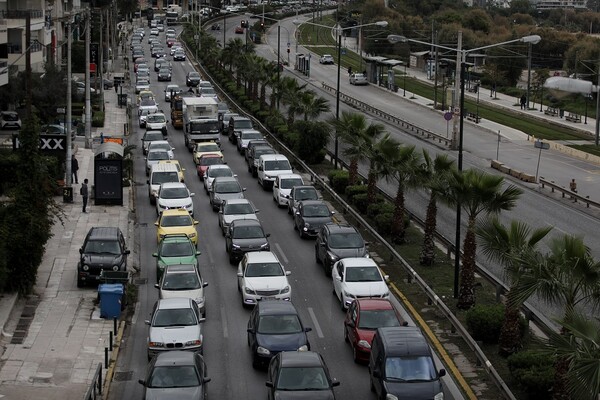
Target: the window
(418, 368)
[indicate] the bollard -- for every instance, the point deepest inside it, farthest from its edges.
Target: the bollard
(106, 358)
(115, 325)
(110, 340)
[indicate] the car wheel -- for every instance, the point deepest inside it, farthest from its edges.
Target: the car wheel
(295, 227)
(231, 260)
(342, 305)
(317, 259)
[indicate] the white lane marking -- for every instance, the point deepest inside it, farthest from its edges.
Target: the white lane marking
(285, 260)
(315, 322)
(224, 322)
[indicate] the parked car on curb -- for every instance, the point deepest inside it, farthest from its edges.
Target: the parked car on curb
(104, 248)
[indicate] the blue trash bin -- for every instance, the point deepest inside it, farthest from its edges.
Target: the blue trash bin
(110, 299)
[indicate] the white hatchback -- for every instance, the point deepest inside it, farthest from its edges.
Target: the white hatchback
(282, 187)
(215, 171)
(356, 278)
(183, 280)
(174, 195)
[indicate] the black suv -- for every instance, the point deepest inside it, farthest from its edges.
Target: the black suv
(104, 248)
(337, 241)
(275, 326)
(236, 124)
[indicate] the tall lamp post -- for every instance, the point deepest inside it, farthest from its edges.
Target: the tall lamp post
(339, 66)
(461, 57)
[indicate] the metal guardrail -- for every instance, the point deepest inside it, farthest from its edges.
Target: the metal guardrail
(405, 125)
(95, 390)
(567, 192)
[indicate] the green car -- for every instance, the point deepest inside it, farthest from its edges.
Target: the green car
(174, 249)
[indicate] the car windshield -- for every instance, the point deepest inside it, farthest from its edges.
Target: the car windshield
(306, 194)
(236, 209)
(160, 146)
(164, 71)
(279, 324)
(260, 152)
(409, 368)
(102, 247)
(174, 317)
(363, 274)
(263, 269)
(10, 117)
(373, 319)
(227, 187)
(208, 90)
(248, 232)
(243, 124)
(177, 249)
(158, 155)
(174, 193)
(290, 183)
(194, 75)
(162, 177)
(277, 165)
(211, 160)
(302, 378)
(155, 119)
(317, 210)
(173, 376)
(149, 137)
(346, 241)
(176, 220)
(217, 172)
(251, 135)
(202, 148)
(147, 101)
(181, 281)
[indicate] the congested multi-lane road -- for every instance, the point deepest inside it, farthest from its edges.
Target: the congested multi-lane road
(225, 338)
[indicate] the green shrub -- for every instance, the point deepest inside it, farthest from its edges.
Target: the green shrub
(339, 180)
(383, 222)
(353, 190)
(380, 207)
(281, 129)
(534, 372)
(263, 115)
(98, 119)
(484, 322)
(290, 139)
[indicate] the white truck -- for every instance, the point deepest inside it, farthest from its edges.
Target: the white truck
(173, 14)
(200, 120)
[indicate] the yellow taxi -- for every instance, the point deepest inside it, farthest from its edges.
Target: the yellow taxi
(176, 221)
(202, 148)
(179, 168)
(145, 94)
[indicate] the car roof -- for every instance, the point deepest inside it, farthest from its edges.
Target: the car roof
(314, 203)
(175, 237)
(297, 187)
(180, 268)
(352, 262)
(220, 179)
(260, 256)
(173, 185)
(175, 211)
(217, 166)
(245, 222)
(275, 307)
(300, 359)
(103, 232)
(289, 176)
(164, 167)
(211, 155)
(273, 157)
(340, 228)
(237, 201)
(177, 357)
(174, 302)
(374, 304)
(403, 341)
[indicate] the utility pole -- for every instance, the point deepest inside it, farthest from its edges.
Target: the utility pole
(456, 97)
(68, 123)
(28, 62)
(88, 105)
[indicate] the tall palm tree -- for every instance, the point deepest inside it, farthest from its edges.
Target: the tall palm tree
(436, 174)
(507, 245)
(290, 95)
(311, 105)
(382, 155)
(580, 347)
(477, 192)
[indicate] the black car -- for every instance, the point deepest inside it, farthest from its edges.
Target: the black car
(275, 326)
(192, 79)
(159, 52)
(164, 74)
(337, 241)
(176, 375)
(104, 248)
(311, 216)
(299, 375)
(254, 143)
(301, 193)
(244, 235)
(215, 27)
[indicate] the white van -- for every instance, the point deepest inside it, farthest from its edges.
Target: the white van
(270, 166)
(159, 174)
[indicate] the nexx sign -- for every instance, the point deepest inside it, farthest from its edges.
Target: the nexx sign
(48, 143)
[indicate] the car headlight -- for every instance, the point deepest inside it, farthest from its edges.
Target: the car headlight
(332, 257)
(348, 294)
(262, 246)
(115, 268)
(261, 350)
(303, 348)
(390, 397)
(306, 225)
(285, 290)
(189, 205)
(364, 344)
(191, 235)
(249, 291)
(156, 344)
(199, 300)
(235, 246)
(439, 396)
(197, 342)
(386, 294)
(85, 267)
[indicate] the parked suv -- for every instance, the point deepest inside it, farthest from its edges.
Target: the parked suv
(104, 248)
(337, 241)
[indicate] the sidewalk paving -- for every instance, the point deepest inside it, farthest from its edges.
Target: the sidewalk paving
(65, 338)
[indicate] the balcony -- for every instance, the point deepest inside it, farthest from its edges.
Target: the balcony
(16, 50)
(15, 19)
(3, 73)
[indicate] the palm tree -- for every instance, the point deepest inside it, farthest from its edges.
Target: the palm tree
(408, 173)
(581, 350)
(506, 245)
(436, 174)
(476, 192)
(382, 155)
(311, 106)
(290, 91)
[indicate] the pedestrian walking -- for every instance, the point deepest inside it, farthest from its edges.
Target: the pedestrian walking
(573, 185)
(350, 70)
(84, 194)
(74, 168)
(523, 102)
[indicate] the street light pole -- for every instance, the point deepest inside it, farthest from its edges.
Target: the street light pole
(460, 167)
(278, 59)
(337, 97)
(528, 74)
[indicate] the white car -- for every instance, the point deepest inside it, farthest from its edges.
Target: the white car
(154, 156)
(326, 59)
(282, 187)
(246, 135)
(174, 49)
(183, 280)
(261, 276)
(142, 84)
(270, 166)
(358, 79)
(358, 277)
(162, 144)
(174, 195)
(175, 89)
(154, 32)
(157, 122)
(215, 171)
(233, 209)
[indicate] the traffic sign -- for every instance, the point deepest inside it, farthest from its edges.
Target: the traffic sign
(541, 145)
(448, 116)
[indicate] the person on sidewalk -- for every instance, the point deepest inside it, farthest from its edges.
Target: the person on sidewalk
(349, 70)
(523, 102)
(74, 169)
(84, 194)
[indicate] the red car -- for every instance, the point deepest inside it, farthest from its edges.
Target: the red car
(239, 29)
(205, 161)
(170, 41)
(363, 318)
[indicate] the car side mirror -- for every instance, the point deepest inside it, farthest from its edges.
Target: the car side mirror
(206, 380)
(268, 235)
(81, 250)
(156, 223)
(366, 244)
(198, 253)
(147, 322)
(297, 212)
(335, 383)
(196, 222)
(221, 212)
(154, 254)
(142, 382)
(243, 189)
(148, 181)
(307, 330)
(287, 273)
(192, 194)
(333, 212)
(204, 284)
(127, 251)
(269, 384)
(442, 372)
(240, 275)
(386, 277)
(404, 323)
(156, 285)
(201, 319)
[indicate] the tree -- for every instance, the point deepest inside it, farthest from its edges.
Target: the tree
(312, 140)
(476, 192)
(436, 179)
(311, 105)
(506, 245)
(381, 155)
(290, 94)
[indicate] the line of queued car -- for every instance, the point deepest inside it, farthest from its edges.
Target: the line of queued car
(276, 335)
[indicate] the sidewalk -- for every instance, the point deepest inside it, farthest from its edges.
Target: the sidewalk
(53, 341)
